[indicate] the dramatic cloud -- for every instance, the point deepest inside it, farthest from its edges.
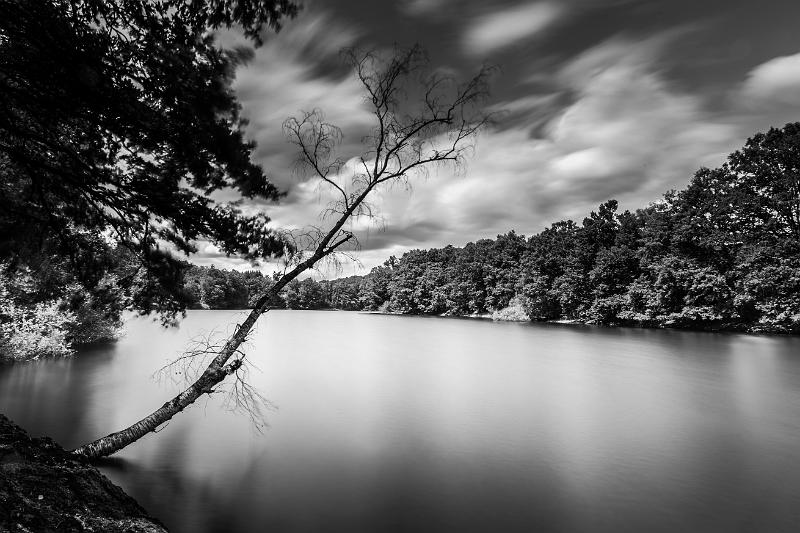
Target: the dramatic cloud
(494, 31)
(629, 131)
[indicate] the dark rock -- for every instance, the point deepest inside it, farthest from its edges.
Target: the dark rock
(44, 489)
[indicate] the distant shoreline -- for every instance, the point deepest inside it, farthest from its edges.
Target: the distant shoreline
(560, 321)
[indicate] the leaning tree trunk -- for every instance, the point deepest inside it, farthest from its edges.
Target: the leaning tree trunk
(116, 441)
(213, 375)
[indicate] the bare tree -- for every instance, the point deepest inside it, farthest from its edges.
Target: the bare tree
(422, 119)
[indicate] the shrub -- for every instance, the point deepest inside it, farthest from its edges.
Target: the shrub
(34, 326)
(30, 332)
(515, 312)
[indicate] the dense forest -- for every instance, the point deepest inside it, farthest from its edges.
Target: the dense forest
(721, 254)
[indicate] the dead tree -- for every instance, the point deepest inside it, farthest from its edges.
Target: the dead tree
(422, 120)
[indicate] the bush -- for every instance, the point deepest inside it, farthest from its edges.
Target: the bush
(539, 300)
(515, 312)
(608, 310)
(51, 327)
(33, 332)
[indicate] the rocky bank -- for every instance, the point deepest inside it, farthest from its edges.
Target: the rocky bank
(44, 489)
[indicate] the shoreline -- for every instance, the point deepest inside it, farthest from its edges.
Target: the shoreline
(576, 322)
(558, 321)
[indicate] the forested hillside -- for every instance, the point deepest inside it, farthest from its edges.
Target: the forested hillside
(723, 253)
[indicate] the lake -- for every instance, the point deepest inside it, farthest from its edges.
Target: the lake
(388, 423)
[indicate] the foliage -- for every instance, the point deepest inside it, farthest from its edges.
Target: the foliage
(515, 312)
(345, 294)
(213, 288)
(34, 325)
(35, 331)
(117, 123)
(306, 294)
(768, 288)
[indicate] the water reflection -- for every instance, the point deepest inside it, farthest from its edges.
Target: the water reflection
(414, 424)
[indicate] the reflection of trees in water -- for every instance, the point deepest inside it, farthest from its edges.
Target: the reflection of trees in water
(54, 397)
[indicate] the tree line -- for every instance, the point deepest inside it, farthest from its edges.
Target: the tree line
(721, 254)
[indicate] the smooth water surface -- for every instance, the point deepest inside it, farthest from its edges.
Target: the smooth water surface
(387, 423)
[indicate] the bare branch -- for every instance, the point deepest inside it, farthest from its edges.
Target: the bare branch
(317, 141)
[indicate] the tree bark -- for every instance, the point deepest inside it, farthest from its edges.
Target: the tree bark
(116, 441)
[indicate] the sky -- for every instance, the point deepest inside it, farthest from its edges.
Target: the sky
(599, 99)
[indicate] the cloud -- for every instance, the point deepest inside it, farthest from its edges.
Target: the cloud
(628, 130)
(770, 95)
(423, 7)
(499, 30)
(290, 73)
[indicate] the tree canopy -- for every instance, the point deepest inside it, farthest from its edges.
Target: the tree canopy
(117, 123)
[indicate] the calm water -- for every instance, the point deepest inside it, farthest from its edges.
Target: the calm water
(419, 424)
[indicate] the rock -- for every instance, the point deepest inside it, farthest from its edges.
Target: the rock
(44, 489)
